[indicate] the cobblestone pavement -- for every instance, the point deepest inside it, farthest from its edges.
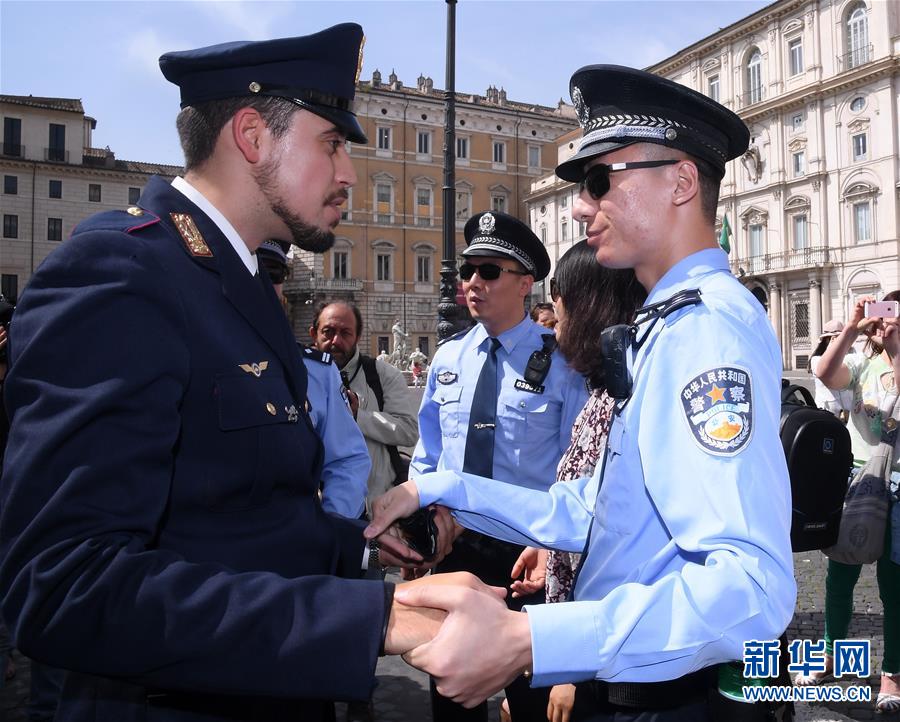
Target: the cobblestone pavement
(402, 692)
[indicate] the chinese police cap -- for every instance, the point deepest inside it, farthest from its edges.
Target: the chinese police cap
(619, 106)
(317, 72)
(492, 233)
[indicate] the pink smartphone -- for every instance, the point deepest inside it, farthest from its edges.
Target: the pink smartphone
(882, 309)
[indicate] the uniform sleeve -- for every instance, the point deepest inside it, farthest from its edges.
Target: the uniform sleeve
(558, 518)
(346, 462)
(396, 424)
(97, 377)
(725, 516)
(429, 447)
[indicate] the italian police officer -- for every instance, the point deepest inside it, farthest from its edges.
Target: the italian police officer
(161, 535)
(345, 458)
(686, 524)
(499, 402)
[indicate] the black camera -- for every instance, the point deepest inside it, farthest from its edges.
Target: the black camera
(421, 533)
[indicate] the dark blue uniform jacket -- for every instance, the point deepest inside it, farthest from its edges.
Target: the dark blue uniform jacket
(161, 534)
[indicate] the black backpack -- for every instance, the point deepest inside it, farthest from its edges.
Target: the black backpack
(817, 448)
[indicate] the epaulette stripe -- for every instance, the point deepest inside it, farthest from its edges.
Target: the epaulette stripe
(152, 222)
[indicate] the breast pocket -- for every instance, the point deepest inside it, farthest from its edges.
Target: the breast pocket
(525, 413)
(447, 398)
(257, 419)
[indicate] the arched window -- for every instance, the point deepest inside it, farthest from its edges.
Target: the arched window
(754, 77)
(858, 37)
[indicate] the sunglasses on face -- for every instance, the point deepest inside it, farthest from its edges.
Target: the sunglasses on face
(487, 271)
(596, 180)
(554, 290)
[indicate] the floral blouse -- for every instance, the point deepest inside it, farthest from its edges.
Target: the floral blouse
(581, 458)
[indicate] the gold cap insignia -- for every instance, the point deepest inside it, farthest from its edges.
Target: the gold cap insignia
(359, 63)
(255, 368)
(134, 211)
(191, 234)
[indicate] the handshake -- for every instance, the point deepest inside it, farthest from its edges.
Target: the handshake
(452, 626)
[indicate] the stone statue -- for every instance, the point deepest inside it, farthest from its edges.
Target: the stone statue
(752, 162)
(398, 356)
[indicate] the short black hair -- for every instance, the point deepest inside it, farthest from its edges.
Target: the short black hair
(322, 305)
(199, 125)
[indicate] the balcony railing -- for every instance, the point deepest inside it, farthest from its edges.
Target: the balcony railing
(320, 283)
(14, 150)
(782, 261)
(56, 155)
(856, 57)
(754, 95)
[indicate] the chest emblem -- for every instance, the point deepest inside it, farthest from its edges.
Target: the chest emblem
(718, 407)
(255, 368)
(447, 378)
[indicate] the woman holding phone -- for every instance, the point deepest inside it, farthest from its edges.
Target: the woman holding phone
(872, 378)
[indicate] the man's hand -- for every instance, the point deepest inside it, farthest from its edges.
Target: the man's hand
(397, 503)
(533, 563)
(481, 646)
(409, 626)
(395, 553)
(562, 699)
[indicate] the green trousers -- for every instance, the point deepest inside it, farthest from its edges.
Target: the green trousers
(839, 583)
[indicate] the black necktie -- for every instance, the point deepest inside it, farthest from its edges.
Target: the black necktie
(479, 457)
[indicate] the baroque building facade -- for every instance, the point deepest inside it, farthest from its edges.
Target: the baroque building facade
(813, 203)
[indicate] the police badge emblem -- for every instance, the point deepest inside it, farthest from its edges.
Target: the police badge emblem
(447, 377)
(486, 224)
(581, 110)
(718, 406)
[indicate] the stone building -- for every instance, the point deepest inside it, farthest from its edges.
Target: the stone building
(813, 203)
(53, 179)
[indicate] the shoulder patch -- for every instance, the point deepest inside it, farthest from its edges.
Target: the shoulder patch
(718, 407)
(316, 355)
(190, 234)
(447, 377)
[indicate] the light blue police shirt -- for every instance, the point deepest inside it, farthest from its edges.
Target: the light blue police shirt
(346, 464)
(689, 552)
(534, 425)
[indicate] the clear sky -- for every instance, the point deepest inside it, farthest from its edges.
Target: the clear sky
(106, 53)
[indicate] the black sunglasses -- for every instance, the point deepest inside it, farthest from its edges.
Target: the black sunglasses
(487, 271)
(596, 180)
(554, 290)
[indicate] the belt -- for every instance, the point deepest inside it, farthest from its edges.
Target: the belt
(656, 695)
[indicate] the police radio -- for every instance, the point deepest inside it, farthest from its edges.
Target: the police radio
(614, 344)
(538, 365)
(616, 340)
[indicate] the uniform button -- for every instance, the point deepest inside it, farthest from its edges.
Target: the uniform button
(270, 407)
(521, 404)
